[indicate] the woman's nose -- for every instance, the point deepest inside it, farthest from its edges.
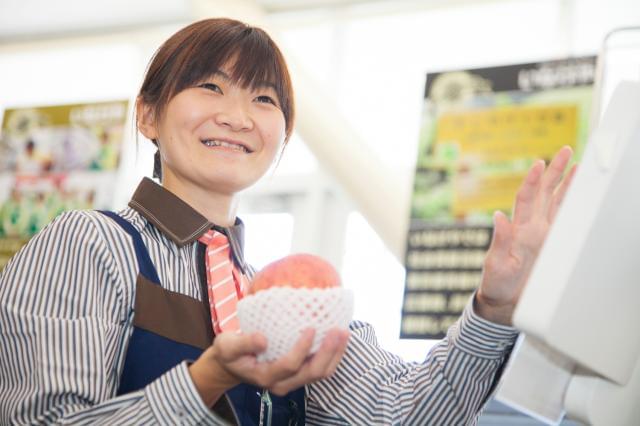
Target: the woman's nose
(235, 117)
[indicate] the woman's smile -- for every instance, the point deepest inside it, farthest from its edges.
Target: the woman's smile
(227, 144)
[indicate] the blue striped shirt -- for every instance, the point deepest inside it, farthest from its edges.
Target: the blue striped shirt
(66, 309)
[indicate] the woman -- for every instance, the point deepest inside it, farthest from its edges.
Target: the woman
(107, 318)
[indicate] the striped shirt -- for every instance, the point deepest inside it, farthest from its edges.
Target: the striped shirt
(66, 309)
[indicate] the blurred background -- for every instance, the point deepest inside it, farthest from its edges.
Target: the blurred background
(360, 69)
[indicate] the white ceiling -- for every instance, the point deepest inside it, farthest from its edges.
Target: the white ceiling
(37, 19)
(25, 19)
(291, 5)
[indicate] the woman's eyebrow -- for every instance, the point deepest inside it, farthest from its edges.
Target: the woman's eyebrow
(259, 85)
(266, 85)
(222, 74)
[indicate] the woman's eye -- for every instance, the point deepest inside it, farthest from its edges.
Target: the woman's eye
(211, 86)
(266, 99)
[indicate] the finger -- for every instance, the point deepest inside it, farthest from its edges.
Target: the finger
(343, 342)
(300, 351)
(501, 241)
(231, 346)
(552, 177)
(560, 193)
(525, 198)
(289, 364)
(314, 368)
(320, 365)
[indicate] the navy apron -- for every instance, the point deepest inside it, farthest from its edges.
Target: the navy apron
(149, 355)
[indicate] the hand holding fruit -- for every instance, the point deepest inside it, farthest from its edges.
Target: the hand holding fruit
(288, 296)
(309, 354)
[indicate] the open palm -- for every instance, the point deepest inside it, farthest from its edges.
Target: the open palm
(516, 243)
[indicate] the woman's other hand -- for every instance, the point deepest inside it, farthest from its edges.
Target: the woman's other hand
(516, 243)
(231, 360)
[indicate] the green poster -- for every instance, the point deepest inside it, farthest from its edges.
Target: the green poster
(481, 131)
(53, 159)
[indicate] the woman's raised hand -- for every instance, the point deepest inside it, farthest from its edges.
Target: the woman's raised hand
(231, 360)
(516, 243)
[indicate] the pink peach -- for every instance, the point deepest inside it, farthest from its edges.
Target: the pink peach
(296, 270)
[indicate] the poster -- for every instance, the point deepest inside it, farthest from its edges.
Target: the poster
(53, 159)
(482, 129)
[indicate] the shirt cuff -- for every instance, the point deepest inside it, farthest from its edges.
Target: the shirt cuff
(477, 336)
(174, 400)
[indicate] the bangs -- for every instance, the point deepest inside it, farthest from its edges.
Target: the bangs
(254, 61)
(255, 64)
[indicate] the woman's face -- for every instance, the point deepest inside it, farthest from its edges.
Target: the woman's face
(219, 137)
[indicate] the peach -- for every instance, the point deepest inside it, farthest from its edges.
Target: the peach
(296, 270)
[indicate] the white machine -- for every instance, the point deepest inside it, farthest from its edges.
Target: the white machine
(580, 311)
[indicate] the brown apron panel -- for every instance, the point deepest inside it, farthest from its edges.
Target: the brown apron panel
(172, 315)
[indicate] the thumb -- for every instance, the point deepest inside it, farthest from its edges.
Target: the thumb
(232, 346)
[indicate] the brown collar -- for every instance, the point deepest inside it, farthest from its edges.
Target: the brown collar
(178, 220)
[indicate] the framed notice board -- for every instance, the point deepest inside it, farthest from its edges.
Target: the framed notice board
(481, 131)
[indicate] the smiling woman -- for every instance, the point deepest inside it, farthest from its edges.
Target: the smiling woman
(228, 88)
(130, 317)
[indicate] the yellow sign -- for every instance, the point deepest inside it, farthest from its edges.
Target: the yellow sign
(487, 139)
(508, 133)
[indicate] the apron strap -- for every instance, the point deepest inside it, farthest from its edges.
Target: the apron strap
(145, 265)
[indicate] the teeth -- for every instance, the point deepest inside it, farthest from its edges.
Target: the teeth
(213, 142)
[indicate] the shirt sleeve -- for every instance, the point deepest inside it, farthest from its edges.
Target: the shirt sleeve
(374, 387)
(64, 324)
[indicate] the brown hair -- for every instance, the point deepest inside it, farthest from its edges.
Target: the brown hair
(197, 51)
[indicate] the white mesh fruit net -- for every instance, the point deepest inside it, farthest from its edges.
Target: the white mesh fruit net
(282, 313)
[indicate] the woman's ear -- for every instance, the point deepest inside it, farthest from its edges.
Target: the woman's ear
(145, 120)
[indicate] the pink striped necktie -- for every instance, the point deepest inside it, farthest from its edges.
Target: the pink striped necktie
(224, 283)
